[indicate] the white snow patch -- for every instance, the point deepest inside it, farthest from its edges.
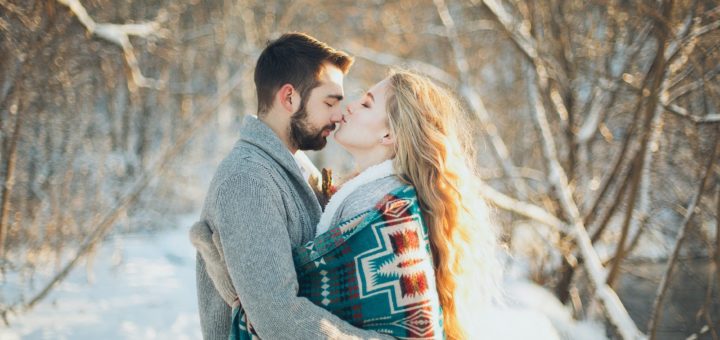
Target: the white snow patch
(147, 293)
(532, 312)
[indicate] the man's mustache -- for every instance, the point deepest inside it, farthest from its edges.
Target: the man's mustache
(330, 127)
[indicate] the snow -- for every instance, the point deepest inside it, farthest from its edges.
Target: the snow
(533, 312)
(143, 287)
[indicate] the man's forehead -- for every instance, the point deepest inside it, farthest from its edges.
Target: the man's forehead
(331, 79)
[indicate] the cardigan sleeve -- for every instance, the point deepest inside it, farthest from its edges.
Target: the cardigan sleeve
(251, 222)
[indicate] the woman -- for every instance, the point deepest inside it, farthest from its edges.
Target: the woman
(405, 247)
(422, 128)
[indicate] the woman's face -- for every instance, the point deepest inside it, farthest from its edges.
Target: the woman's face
(365, 121)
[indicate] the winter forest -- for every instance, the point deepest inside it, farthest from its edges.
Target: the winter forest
(596, 125)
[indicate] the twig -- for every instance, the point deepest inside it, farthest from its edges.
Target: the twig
(717, 230)
(690, 39)
(10, 166)
(705, 309)
(672, 97)
(619, 251)
(119, 35)
(683, 113)
(607, 215)
(680, 238)
(522, 208)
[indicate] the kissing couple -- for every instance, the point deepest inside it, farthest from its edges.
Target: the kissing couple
(402, 249)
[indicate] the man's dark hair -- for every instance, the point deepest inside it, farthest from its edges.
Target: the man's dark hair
(296, 59)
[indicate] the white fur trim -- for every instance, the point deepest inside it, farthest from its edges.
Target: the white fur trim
(370, 174)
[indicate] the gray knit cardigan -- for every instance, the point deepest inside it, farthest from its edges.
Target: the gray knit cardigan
(258, 208)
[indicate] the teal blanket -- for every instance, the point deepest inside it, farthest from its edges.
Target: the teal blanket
(376, 274)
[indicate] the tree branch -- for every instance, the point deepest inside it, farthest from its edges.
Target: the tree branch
(9, 182)
(387, 59)
(521, 208)
(119, 35)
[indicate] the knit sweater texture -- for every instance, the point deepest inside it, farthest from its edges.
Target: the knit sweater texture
(260, 206)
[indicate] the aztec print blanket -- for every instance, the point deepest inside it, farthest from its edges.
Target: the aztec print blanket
(376, 274)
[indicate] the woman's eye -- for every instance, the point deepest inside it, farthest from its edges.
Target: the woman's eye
(365, 105)
(328, 104)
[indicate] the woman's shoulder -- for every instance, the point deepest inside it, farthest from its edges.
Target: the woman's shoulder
(373, 192)
(368, 195)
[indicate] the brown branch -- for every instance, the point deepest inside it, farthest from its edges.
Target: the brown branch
(657, 310)
(707, 305)
(716, 258)
(26, 20)
(11, 158)
(690, 39)
(607, 215)
(680, 111)
(681, 91)
(619, 252)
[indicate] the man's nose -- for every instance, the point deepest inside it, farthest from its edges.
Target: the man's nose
(337, 116)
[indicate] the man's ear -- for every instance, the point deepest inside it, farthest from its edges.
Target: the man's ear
(288, 98)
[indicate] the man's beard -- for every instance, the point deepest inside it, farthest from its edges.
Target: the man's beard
(303, 135)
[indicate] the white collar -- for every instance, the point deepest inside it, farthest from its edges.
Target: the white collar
(368, 175)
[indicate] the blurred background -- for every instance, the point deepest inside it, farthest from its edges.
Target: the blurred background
(596, 125)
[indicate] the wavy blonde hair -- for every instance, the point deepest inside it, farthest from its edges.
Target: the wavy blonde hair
(433, 152)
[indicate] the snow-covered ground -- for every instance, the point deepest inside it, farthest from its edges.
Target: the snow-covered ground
(143, 287)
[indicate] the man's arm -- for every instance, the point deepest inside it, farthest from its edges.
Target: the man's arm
(215, 314)
(258, 252)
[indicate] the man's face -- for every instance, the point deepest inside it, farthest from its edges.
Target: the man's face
(313, 122)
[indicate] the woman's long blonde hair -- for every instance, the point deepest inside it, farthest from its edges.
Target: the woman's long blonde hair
(433, 151)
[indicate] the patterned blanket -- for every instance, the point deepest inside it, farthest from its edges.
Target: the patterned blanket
(374, 271)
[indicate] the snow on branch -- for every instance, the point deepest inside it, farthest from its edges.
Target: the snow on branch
(682, 112)
(120, 35)
(522, 208)
(380, 58)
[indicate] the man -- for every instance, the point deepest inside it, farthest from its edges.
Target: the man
(259, 204)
